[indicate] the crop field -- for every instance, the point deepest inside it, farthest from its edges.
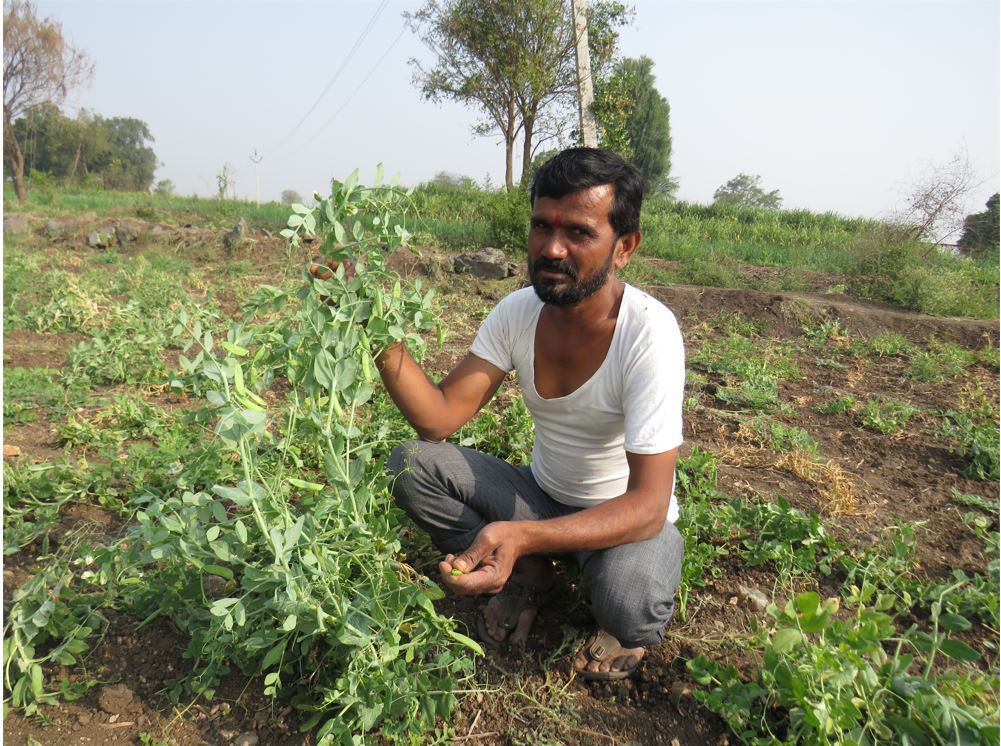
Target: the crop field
(200, 546)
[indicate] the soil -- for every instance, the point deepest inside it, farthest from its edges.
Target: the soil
(529, 695)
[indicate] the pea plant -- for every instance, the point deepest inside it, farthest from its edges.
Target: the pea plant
(292, 570)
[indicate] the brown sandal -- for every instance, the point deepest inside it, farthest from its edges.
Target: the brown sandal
(514, 598)
(603, 647)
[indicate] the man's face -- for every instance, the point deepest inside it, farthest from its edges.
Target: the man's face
(571, 245)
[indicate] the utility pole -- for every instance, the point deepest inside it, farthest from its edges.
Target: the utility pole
(585, 91)
(256, 160)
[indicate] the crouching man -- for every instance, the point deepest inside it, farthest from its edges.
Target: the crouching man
(601, 368)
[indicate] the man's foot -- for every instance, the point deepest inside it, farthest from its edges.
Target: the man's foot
(604, 659)
(509, 615)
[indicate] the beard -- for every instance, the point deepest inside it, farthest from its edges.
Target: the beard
(578, 288)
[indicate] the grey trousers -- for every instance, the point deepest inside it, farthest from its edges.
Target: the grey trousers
(453, 492)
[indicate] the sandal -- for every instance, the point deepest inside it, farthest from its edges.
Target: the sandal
(603, 647)
(514, 598)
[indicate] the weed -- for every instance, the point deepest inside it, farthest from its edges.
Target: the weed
(26, 391)
(975, 501)
(889, 344)
(769, 433)
(840, 405)
(939, 361)
(973, 434)
(885, 415)
(509, 435)
(829, 333)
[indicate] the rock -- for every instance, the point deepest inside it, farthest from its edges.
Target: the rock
(100, 239)
(116, 700)
(231, 241)
(129, 231)
(11, 451)
(17, 223)
(753, 598)
(85, 717)
(488, 264)
(246, 739)
(58, 227)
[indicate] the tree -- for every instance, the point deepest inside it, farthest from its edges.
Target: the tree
(745, 191)
(112, 151)
(291, 197)
(512, 59)
(635, 119)
(450, 181)
(131, 163)
(936, 202)
(164, 188)
(225, 180)
(39, 66)
(980, 231)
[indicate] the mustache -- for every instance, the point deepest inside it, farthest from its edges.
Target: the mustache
(555, 265)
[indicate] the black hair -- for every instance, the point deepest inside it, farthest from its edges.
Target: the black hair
(575, 169)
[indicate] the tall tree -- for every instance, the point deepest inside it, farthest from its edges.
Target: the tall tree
(981, 229)
(512, 59)
(744, 190)
(636, 119)
(133, 163)
(115, 150)
(38, 66)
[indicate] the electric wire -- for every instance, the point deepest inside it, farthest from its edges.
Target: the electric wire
(352, 94)
(361, 38)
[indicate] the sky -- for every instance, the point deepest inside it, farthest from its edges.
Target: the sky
(841, 106)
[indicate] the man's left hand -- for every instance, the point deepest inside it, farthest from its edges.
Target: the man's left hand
(487, 564)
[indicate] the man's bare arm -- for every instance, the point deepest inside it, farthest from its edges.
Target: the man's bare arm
(437, 410)
(637, 514)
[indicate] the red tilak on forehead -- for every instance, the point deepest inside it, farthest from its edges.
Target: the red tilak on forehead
(556, 221)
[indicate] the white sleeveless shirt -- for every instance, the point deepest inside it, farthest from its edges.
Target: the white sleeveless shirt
(631, 403)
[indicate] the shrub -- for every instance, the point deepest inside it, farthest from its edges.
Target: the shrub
(508, 214)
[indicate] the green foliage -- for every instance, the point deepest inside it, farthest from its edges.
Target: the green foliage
(635, 118)
(974, 436)
(889, 344)
(780, 437)
(886, 415)
(975, 501)
(751, 370)
(940, 361)
(980, 232)
(839, 405)
(514, 62)
(745, 190)
(830, 679)
(508, 214)
(891, 265)
(508, 435)
(28, 390)
(111, 152)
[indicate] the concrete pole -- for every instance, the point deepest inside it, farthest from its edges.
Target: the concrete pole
(256, 160)
(585, 91)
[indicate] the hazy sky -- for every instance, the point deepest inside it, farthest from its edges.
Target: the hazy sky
(839, 105)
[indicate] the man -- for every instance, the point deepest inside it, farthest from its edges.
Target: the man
(601, 368)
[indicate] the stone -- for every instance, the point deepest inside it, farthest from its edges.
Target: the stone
(58, 227)
(116, 699)
(487, 264)
(246, 739)
(129, 231)
(98, 240)
(753, 598)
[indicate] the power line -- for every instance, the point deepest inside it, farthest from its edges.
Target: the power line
(365, 32)
(353, 93)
